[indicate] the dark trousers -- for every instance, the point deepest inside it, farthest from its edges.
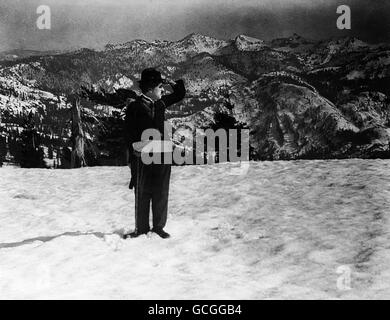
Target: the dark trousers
(151, 186)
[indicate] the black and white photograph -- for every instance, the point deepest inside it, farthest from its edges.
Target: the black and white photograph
(194, 150)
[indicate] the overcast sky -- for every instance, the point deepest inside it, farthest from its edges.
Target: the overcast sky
(94, 23)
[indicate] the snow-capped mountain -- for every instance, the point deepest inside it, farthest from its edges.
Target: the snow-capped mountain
(245, 43)
(197, 43)
(300, 98)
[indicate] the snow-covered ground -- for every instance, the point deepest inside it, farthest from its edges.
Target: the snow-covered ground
(300, 229)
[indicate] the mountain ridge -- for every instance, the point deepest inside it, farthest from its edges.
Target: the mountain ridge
(224, 76)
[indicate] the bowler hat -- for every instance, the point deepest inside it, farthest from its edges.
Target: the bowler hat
(151, 76)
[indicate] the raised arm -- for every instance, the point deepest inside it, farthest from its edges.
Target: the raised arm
(117, 99)
(178, 93)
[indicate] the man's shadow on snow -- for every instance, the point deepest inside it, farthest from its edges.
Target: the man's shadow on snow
(99, 235)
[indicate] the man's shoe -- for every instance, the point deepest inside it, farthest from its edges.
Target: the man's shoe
(133, 234)
(161, 233)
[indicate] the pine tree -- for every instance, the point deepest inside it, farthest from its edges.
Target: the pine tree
(50, 151)
(110, 140)
(226, 121)
(31, 152)
(3, 149)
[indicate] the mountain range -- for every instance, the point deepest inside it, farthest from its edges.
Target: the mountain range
(301, 99)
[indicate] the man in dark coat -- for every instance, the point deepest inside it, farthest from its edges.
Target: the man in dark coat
(150, 181)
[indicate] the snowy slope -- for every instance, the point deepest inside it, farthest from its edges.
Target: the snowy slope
(282, 230)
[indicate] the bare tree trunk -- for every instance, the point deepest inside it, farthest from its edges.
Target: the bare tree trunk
(78, 137)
